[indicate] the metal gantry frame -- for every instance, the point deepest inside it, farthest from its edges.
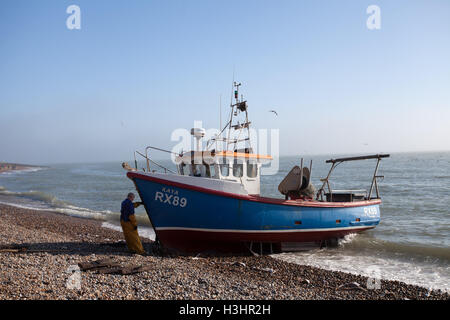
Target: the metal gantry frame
(336, 162)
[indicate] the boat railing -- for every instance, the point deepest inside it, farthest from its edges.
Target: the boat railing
(338, 161)
(148, 160)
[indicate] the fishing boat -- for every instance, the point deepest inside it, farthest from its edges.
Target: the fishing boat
(213, 201)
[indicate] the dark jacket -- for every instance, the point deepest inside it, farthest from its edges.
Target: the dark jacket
(126, 210)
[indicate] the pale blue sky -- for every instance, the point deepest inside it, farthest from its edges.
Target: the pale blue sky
(137, 70)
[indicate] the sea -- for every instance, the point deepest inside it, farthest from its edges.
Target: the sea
(411, 244)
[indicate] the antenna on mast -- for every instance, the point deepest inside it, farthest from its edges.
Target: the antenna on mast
(220, 121)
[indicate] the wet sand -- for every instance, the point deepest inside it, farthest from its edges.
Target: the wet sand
(56, 242)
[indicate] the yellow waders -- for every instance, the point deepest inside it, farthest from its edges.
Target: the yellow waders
(131, 235)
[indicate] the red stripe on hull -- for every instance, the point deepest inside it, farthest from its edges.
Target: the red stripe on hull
(300, 203)
(198, 241)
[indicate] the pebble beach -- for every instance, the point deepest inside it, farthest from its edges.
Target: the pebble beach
(55, 243)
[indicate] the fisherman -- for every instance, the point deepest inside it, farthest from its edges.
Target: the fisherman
(129, 224)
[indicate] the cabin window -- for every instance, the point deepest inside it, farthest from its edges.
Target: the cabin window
(197, 170)
(212, 171)
(238, 169)
(252, 169)
(184, 169)
(224, 170)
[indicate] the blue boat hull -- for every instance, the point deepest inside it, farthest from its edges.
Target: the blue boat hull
(193, 219)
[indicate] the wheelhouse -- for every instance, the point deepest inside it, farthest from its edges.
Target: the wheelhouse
(241, 167)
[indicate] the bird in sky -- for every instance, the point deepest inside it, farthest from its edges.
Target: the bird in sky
(274, 112)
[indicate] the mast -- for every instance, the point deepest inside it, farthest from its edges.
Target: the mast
(239, 105)
(233, 111)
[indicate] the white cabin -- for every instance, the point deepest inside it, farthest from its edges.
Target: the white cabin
(239, 167)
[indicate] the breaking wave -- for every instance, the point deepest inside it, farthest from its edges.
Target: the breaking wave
(35, 195)
(37, 200)
(358, 254)
(361, 243)
(21, 171)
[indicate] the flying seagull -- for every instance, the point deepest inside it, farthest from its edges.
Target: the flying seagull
(274, 112)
